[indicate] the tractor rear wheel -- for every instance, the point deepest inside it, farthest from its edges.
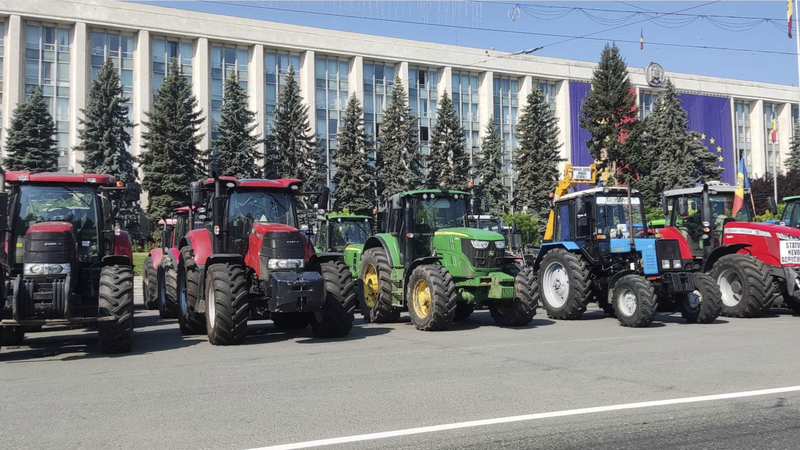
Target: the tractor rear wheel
(168, 306)
(518, 311)
(432, 298)
(150, 284)
(227, 309)
(564, 284)
(115, 301)
(745, 285)
(335, 318)
(290, 321)
(704, 304)
(634, 300)
(463, 310)
(188, 282)
(375, 277)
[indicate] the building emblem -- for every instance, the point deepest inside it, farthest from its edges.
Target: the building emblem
(655, 75)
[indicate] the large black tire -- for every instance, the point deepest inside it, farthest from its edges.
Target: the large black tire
(335, 318)
(12, 335)
(431, 297)
(227, 309)
(745, 285)
(150, 284)
(568, 278)
(463, 310)
(519, 311)
(634, 300)
(377, 305)
(115, 300)
(188, 281)
(291, 321)
(168, 307)
(709, 297)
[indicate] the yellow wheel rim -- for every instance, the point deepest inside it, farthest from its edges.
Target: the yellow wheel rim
(421, 299)
(371, 286)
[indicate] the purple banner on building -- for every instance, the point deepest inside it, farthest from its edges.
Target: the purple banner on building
(579, 152)
(711, 117)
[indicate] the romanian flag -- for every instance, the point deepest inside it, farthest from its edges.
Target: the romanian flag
(774, 134)
(641, 35)
(789, 17)
(741, 183)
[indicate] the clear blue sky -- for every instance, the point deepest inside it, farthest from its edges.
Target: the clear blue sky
(437, 21)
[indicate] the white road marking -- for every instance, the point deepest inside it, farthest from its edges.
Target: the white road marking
(526, 417)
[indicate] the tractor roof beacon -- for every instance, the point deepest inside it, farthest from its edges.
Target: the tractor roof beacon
(431, 263)
(67, 263)
(598, 246)
(251, 261)
(757, 265)
(160, 279)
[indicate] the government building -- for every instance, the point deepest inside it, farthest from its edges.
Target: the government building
(60, 46)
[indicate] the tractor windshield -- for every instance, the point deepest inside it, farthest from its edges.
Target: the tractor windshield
(791, 214)
(612, 216)
(75, 205)
(350, 232)
(440, 212)
(261, 206)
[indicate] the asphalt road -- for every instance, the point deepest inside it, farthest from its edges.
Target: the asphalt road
(175, 392)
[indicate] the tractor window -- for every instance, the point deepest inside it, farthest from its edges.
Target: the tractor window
(722, 210)
(261, 206)
(75, 205)
(440, 212)
(562, 231)
(792, 215)
(349, 232)
(181, 228)
(319, 238)
(396, 220)
(612, 216)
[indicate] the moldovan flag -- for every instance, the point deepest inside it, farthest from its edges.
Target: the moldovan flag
(738, 196)
(774, 134)
(641, 36)
(789, 17)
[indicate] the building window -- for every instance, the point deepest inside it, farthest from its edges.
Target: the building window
(647, 102)
(2, 52)
(119, 48)
(744, 146)
(423, 91)
(225, 60)
(773, 155)
(47, 59)
(548, 88)
(331, 99)
(276, 64)
(465, 101)
(506, 108)
(795, 116)
(378, 81)
(164, 51)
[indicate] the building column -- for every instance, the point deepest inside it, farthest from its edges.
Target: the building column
(13, 72)
(485, 100)
(255, 87)
(355, 78)
(142, 91)
(307, 91)
(401, 70)
(784, 133)
(80, 80)
(757, 139)
(445, 81)
(201, 85)
(563, 117)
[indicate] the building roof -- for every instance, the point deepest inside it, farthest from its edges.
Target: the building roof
(67, 178)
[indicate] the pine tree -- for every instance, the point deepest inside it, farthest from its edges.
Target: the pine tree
(294, 152)
(448, 163)
(354, 178)
(30, 143)
(104, 138)
(236, 148)
(490, 171)
(609, 111)
(170, 160)
(537, 156)
(399, 162)
(793, 163)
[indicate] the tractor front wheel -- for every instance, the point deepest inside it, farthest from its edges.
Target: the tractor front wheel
(375, 277)
(564, 284)
(704, 304)
(227, 309)
(745, 285)
(335, 318)
(634, 301)
(518, 311)
(150, 284)
(116, 302)
(432, 298)
(188, 281)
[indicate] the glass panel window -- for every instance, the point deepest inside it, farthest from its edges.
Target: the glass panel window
(506, 105)
(225, 60)
(2, 52)
(795, 115)
(422, 97)
(331, 99)
(119, 48)
(47, 62)
(647, 102)
(744, 146)
(773, 154)
(164, 51)
(465, 99)
(276, 64)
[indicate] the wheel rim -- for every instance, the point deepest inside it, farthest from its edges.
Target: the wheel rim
(556, 285)
(212, 308)
(421, 299)
(730, 286)
(370, 286)
(693, 300)
(626, 302)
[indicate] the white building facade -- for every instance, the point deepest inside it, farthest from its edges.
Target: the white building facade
(60, 46)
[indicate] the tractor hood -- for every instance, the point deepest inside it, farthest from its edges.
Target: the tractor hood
(758, 229)
(264, 228)
(51, 227)
(471, 233)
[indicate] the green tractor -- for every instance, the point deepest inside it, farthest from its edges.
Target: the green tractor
(432, 264)
(343, 233)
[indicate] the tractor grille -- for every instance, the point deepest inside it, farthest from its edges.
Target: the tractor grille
(488, 258)
(669, 250)
(283, 245)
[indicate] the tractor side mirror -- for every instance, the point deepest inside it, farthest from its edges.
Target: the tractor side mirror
(683, 206)
(324, 196)
(195, 194)
(133, 191)
(772, 207)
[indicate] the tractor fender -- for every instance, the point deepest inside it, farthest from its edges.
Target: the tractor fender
(546, 247)
(389, 244)
(721, 251)
(612, 281)
(199, 242)
(156, 255)
(123, 245)
(319, 258)
(419, 262)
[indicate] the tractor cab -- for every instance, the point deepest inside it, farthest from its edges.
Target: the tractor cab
(791, 213)
(335, 232)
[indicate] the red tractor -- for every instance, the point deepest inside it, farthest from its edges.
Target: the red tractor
(160, 280)
(756, 265)
(251, 261)
(65, 261)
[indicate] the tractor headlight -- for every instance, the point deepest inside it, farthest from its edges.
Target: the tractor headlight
(274, 264)
(665, 264)
(500, 244)
(46, 269)
(677, 263)
(787, 237)
(480, 245)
